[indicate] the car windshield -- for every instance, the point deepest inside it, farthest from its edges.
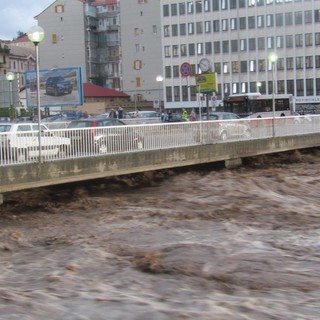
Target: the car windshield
(56, 79)
(5, 127)
(147, 114)
(81, 124)
(112, 122)
(35, 127)
(95, 123)
(54, 118)
(212, 117)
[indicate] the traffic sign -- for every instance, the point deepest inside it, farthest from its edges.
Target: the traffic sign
(156, 103)
(185, 69)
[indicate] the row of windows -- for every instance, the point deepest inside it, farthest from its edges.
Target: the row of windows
(243, 45)
(241, 23)
(298, 87)
(199, 6)
(16, 65)
(261, 65)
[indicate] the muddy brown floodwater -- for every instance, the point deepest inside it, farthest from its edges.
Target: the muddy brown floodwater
(194, 243)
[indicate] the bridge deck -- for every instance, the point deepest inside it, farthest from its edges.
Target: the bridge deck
(163, 146)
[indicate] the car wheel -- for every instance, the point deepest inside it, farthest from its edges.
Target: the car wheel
(103, 146)
(55, 92)
(64, 151)
(223, 136)
(21, 155)
(140, 144)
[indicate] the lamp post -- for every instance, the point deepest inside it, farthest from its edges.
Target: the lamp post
(159, 80)
(36, 35)
(10, 77)
(273, 59)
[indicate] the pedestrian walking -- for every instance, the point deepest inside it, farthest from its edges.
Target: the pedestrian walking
(120, 113)
(112, 114)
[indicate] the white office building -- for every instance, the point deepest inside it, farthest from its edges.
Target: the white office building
(237, 37)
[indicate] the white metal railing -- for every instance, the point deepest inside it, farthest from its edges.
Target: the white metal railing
(57, 144)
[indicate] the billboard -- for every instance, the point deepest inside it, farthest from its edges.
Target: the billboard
(207, 82)
(58, 87)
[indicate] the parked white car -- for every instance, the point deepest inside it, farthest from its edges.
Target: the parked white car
(142, 117)
(20, 142)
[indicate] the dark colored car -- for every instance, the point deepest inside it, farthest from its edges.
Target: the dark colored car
(95, 136)
(172, 117)
(23, 119)
(32, 84)
(4, 119)
(58, 86)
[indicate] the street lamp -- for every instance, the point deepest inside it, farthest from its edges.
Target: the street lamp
(36, 35)
(10, 77)
(273, 59)
(159, 80)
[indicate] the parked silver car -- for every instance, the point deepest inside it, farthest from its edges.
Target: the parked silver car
(229, 126)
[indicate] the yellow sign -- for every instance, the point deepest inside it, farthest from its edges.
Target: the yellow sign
(206, 82)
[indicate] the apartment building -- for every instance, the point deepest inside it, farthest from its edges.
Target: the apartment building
(4, 68)
(237, 37)
(16, 57)
(108, 43)
(22, 59)
(65, 36)
(116, 51)
(141, 49)
(4, 57)
(83, 33)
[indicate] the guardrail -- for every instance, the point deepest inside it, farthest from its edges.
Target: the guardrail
(58, 144)
(128, 121)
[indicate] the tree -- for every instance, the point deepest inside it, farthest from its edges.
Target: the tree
(21, 34)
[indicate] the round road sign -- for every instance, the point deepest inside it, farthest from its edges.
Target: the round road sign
(185, 69)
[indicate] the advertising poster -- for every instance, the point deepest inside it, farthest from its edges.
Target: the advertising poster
(58, 87)
(206, 82)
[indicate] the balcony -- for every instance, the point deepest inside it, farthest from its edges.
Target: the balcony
(4, 50)
(113, 58)
(109, 44)
(113, 27)
(107, 14)
(109, 28)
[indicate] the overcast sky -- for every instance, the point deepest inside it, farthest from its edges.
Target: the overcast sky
(18, 15)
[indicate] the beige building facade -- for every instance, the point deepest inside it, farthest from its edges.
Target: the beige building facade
(86, 34)
(64, 43)
(141, 49)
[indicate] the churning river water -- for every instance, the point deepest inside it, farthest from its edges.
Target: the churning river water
(201, 243)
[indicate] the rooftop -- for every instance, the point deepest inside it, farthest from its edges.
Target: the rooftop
(93, 90)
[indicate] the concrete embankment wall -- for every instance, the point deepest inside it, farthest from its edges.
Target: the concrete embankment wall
(18, 177)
